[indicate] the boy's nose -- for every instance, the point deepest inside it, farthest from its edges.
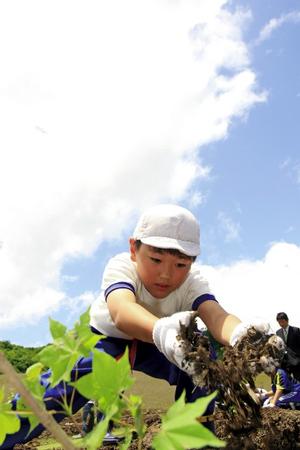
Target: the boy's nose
(166, 272)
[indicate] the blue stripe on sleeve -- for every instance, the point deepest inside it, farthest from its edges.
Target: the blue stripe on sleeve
(119, 285)
(203, 298)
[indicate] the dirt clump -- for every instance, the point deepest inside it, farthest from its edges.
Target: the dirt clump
(278, 429)
(239, 418)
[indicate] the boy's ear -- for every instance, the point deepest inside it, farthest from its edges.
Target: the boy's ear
(132, 249)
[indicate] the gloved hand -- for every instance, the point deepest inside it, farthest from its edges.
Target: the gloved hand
(268, 405)
(166, 339)
(261, 394)
(241, 329)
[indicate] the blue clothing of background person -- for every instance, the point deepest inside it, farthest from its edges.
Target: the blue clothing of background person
(285, 391)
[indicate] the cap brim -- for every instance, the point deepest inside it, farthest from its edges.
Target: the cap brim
(185, 247)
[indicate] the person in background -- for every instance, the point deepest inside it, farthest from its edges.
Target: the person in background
(88, 417)
(90, 412)
(284, 393)
(291, 337)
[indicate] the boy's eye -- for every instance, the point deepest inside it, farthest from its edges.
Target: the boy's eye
(155, 260)
(181, 265)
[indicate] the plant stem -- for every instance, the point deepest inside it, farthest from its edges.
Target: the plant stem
(13, 378)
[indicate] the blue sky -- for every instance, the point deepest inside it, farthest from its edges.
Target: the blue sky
(135, 103)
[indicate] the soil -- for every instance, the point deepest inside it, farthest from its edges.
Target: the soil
(279, 429)
(239, 418)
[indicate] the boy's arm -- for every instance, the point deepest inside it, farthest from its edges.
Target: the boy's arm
(269, 393)
(129, 316)
(137, 322)
(220, 323)
(278, 393)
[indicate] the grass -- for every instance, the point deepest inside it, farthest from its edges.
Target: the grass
(156, 394)
(263, 381)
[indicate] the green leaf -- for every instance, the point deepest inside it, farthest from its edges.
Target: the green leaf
(2, 394)
(180, 429)
(67, 347)
(127, 440)
(37, 390)
(108, 379)
(86, 338)
(23, 411)
(61, 360)
(9, 421)
(135, 408)
(32, 381)
(57, 329)
(34, 371)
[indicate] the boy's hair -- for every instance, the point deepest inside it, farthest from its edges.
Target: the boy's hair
(282, 316)
(171, 251)
(169, 227)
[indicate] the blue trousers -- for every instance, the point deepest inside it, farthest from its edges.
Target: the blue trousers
(144, 357)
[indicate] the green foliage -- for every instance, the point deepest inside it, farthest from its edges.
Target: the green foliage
(32, 382)
(20, 357)
(135, 407)
(106, 385)
(67, 348)
(109, 379)
(9, 422)
(91, 441)
(181, 430)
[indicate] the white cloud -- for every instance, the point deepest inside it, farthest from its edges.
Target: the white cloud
(230, 229)
(76, 305)
(291, 168)
(261, 288)
(297, 172)
(285, 163)
(69, 278)
(102, 111)
(290, 229)
(275, 23)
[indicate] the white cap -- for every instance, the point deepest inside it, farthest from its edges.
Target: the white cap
(169, 227)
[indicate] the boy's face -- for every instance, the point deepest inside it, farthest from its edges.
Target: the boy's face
(160, 273)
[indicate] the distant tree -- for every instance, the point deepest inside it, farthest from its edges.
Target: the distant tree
(20, 357)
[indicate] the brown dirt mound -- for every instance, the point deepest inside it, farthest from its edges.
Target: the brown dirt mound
(279, 430)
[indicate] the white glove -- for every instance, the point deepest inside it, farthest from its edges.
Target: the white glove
(165, 337)
(261, 394)
(241, 329)
(268, 405)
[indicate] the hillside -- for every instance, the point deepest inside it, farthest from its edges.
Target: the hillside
(20, 357)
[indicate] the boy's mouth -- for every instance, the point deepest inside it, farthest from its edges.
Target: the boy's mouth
(162, 286)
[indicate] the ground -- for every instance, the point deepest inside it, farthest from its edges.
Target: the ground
(279, 430)
(239, 418)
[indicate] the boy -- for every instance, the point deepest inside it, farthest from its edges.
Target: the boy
(146, 294)
(143, 289)
(285, 391)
